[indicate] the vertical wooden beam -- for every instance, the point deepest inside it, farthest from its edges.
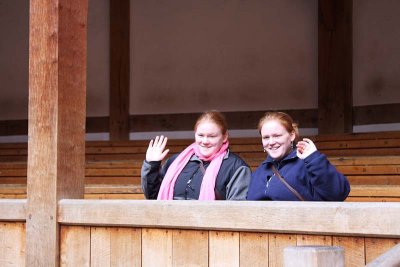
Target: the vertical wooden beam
(335, 63)
(119, 69)
(56, 127)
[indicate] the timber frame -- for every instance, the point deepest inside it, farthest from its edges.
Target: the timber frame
(56, 149)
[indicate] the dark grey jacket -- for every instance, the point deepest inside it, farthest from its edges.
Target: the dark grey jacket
(232, 180)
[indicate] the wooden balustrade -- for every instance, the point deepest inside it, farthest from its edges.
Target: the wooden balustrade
(204, 233)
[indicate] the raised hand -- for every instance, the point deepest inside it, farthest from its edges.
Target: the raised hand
(155, 151)
(305, 148)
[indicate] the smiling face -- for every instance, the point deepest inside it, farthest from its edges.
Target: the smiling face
(276, 140)
(209, 138)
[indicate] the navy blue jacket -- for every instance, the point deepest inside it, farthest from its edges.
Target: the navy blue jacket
(314, 178)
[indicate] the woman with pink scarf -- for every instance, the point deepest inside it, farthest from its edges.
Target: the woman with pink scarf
(205, 170)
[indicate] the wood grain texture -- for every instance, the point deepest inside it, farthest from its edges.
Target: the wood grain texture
(12, 244)
(100, 246)
(375, 247)
(57, 112)
(75, 246)
(323, 218)
(354, 253)
(12, 210)
(253, 249)
(157, 247)
(224, 249)
(277, 244)
(190, 248)
(126, 247)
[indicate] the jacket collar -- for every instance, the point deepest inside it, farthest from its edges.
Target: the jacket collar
(195, 158)
(291, 156)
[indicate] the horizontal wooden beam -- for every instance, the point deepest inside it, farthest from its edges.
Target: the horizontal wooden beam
(13, 210)
(327, 218)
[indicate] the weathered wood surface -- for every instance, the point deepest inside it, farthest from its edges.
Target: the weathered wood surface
(56, 122)
(177, 247)
(12, 210)
(322, 218)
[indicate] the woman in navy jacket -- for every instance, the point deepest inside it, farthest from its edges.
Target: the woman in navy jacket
(299, 163)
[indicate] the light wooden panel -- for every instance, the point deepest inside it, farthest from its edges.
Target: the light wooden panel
(75, 246)
(100, 246)
(313, 240)
(12, 244)
(374, 247)
(354, 253)
(277, 243)
(126, 247)
(12, 210)
(157, 247)
(190, 248)
(224, 249)
(253, 249)
(323, 218)
(110, 246)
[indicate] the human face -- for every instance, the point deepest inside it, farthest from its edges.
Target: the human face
(209, 138)
(276, 140)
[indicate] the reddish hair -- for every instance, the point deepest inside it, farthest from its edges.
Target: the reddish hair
(214, 116)
(284, 119)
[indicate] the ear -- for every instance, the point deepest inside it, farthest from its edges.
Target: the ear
(226, 136)
(292, 136)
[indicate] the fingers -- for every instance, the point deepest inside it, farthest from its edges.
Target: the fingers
(305, 148)
(158, 142)
(164, 153)
(155, 151)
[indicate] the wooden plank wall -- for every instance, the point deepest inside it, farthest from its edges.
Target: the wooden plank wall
(105, 246)
(115, 246)
(12, 244)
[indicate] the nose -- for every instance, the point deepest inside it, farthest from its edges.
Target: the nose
(270, 140)
(205, 140)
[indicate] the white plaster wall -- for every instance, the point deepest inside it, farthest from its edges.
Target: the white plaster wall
(376, 52)
(98, 53)
(14, 49)
(191, 55)
(188, 56)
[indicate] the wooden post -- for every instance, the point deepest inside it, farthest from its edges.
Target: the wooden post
(119, 69)
(335, 66)
(56, 127)
(313, 256)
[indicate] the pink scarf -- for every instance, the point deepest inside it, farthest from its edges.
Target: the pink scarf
(208, 184)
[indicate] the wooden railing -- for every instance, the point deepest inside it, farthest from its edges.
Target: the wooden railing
(201, 233)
